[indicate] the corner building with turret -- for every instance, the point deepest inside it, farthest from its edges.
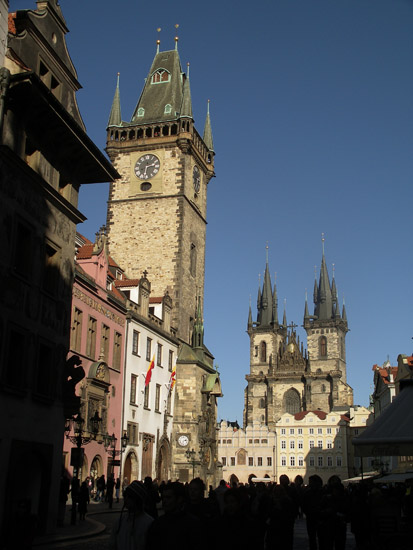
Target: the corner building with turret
(156, 224)
(286, 378)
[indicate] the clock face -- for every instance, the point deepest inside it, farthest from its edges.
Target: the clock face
(196, 179)
(147, 166)
(183, 440)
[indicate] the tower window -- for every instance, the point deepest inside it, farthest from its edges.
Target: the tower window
(161, 75)
(192, 260)
(263, 352)
(323, 346)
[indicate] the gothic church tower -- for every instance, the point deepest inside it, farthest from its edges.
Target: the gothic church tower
(157, 209)
(326, 329)
(283, 377)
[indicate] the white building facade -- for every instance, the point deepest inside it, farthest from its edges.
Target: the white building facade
(147, 407)
(304, 444)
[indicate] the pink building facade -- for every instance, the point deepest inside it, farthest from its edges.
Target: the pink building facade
(97, 338)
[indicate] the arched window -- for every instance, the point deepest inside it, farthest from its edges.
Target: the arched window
(241, 457)
(262, 403)
(263, 352)
(161, 75)
(292, 402)
(323, 346)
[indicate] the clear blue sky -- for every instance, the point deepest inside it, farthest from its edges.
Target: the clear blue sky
(312, 112)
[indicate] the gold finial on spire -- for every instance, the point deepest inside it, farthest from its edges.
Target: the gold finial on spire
(158, 42)
(334, 270)
(266, 252)
(187, 69)
(176, 37)
(322, 240)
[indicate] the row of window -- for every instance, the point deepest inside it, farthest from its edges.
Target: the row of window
(259, 461)
(310, 431)
(133, 398)
(76, 339)
(293, 461)
(311, 444)
(250, 441)
(159, 350)
(299, 461)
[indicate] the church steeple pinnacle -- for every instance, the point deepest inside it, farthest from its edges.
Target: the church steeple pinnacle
(186, 108)
(207, 137)
(323, 298)
(115, 117)
(198, 332)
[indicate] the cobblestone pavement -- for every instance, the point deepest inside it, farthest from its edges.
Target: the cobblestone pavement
(105, 519)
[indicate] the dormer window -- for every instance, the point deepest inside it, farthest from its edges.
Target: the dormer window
(161, 75)
(168, 109)
(141, 111)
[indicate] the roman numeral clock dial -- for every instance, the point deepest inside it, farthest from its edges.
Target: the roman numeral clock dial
(147, 166)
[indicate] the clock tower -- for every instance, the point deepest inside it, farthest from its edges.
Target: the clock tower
(157, 209)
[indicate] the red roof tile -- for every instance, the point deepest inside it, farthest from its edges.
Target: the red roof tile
(12, 25)
(85, 252)
(321, 415)
(121, 283)
(155, 300)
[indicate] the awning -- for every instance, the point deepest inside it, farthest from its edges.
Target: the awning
(392, 433)
(395, 478)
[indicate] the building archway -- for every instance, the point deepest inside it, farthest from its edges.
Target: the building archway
(130, 467)
(96, 470)
(163, 462)
(233, 480)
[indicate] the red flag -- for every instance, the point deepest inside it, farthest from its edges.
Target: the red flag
(172, 380)
(149, 371)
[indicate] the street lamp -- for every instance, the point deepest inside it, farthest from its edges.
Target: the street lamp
(79, 438)
(109, 442)
(190, 455)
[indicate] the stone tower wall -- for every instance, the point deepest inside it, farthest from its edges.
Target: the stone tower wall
(156, 231)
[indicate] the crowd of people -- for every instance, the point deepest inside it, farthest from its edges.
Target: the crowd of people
(254, 516)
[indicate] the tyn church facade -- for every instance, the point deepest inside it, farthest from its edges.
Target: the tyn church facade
(285, 378)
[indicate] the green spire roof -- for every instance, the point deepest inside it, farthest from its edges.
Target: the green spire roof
(186, 108)
(163, 92)
(115, 117)
(208, 132)
(198, 333)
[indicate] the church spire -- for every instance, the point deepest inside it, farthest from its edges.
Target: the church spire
(186, 108)
(208, 132)
(306, 313)
(275, 303)
(249, 317)
(198, 332)
(115, 117)
(324, 300)
(162, 94)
